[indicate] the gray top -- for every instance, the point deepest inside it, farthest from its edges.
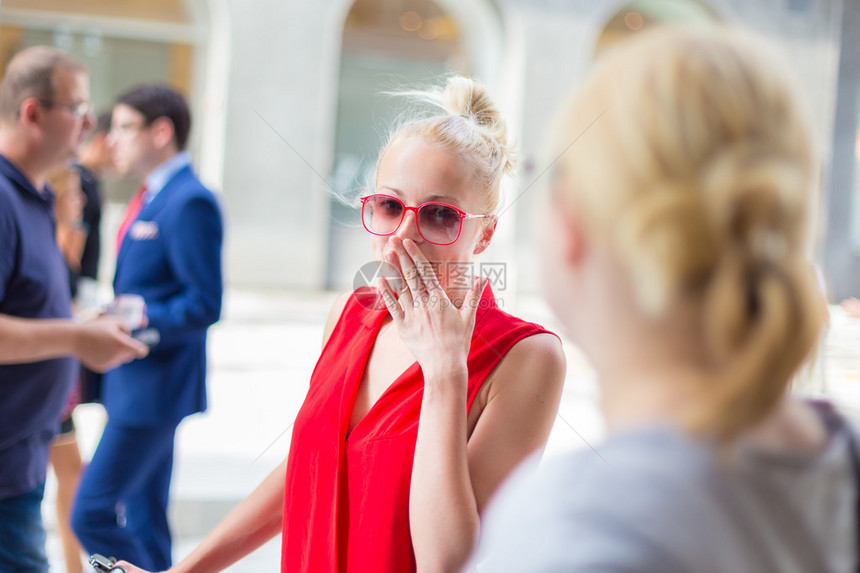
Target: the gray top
(658, 501)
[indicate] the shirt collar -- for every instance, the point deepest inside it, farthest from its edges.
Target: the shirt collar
(159, 177)
(11, 171)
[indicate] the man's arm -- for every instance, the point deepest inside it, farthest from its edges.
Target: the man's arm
(100, 344)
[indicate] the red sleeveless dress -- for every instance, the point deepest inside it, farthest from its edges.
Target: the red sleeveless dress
(346, 501)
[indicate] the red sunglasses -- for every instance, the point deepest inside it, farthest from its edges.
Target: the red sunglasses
(438, 223)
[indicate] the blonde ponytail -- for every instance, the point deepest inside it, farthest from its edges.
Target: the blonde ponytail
(763, 312)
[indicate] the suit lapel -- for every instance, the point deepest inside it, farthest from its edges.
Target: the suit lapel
(151, 210)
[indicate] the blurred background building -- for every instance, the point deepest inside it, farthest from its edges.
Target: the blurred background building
(290, 111)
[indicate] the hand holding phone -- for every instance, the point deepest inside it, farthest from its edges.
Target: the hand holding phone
(131, 308)
(105, 564)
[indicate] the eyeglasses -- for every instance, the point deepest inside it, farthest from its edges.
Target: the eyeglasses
(125, 128)
(79, 110)
(438, 223)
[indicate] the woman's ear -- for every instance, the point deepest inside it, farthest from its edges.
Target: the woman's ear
(487, 232)
(571, 237)
(565, 228)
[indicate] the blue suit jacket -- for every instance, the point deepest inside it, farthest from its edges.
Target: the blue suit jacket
(171, 256)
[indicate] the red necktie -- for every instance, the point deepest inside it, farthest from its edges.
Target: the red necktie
(131, 213)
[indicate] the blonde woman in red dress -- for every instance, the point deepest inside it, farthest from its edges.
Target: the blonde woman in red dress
(426, 394)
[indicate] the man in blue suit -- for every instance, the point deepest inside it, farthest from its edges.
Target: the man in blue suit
(170, 254)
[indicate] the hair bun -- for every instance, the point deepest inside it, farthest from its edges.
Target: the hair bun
(471, 126)
(756, 201)
(465, 97)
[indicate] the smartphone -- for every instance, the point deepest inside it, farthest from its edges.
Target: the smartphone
(105, 564)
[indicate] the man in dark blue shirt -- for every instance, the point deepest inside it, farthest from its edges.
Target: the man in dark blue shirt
(44, 116)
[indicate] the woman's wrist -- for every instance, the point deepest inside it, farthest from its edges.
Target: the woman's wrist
(446, 373)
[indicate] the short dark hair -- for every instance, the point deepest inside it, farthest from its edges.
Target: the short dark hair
(160, 100)
(30, 73)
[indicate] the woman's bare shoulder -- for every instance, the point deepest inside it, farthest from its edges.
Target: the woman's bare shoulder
(537, 361)
(334, 315)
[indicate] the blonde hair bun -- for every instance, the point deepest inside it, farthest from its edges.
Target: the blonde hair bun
(470, 126)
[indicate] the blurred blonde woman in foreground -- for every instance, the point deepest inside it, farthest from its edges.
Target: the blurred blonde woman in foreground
(675, 259)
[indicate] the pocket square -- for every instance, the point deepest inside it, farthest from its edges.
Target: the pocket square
(143, 230)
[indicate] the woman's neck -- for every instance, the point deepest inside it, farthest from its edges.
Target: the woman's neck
(633, 396)
(648, 372)
(638, 397)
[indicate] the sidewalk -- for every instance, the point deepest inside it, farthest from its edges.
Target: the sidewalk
(261, 357)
